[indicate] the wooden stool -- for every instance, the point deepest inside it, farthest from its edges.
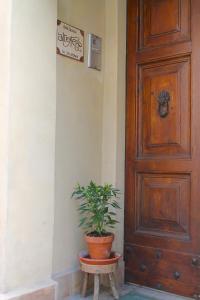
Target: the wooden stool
(97, 270)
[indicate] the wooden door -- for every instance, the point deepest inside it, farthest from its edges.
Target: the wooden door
(162, 211)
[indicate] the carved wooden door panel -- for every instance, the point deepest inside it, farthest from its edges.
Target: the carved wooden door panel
(162, 211)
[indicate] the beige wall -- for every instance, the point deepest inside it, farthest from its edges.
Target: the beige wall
(30, 102)
(90, 121)
(78, 131)
(113, 121)
(121, 100)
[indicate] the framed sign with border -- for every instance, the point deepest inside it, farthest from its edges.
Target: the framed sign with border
(70, 41)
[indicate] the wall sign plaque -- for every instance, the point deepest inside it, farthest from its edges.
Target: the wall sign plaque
(70, 41)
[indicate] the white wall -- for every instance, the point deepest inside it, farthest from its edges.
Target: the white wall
(78, 130)
(5, 33)
(29, 190)
(89, 132)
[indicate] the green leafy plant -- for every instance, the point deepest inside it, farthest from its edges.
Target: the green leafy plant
(96, 207)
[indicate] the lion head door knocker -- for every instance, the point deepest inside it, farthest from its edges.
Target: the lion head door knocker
(163, 103)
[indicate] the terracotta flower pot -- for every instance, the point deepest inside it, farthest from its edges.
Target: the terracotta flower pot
(99, 247)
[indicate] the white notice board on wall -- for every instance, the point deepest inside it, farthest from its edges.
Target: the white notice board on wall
(70, 41)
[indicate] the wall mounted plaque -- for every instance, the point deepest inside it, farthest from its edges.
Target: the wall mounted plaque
(70, 41)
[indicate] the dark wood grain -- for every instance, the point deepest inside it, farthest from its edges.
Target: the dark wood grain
(162, 207)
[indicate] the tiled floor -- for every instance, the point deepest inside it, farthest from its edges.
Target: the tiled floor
(157, 295)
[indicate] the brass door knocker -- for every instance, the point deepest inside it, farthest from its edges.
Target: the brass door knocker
(163, 106)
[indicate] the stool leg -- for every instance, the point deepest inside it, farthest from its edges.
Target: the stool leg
(96, 287)
(112, 285)
(85, 281)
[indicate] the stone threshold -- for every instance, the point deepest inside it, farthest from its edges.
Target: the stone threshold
(141, 290)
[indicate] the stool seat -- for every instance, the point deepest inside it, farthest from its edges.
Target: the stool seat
(97, 269)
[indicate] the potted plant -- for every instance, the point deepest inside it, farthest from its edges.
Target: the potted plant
(97, 216)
